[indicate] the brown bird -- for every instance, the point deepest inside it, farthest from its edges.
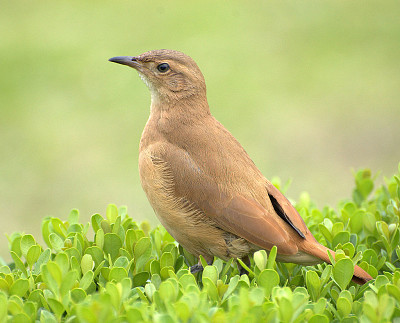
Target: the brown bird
(201, 183)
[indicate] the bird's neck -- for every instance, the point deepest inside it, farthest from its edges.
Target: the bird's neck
(167, 118)
(177, 111)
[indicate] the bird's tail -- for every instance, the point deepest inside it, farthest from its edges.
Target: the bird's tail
(360, 276)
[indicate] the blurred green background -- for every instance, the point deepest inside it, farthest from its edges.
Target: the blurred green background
(311, 90)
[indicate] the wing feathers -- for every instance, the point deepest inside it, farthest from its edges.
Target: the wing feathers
(249, 220)
(278, 209)
(286, 210)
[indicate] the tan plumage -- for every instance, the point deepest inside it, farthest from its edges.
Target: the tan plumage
(201, 183)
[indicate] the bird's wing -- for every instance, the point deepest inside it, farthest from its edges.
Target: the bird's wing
(235, 212)
(286, 210)
(248, 219)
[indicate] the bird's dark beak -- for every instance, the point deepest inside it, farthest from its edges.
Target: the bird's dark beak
(125, 60)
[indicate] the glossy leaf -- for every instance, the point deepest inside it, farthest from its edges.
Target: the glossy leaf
(343, 272)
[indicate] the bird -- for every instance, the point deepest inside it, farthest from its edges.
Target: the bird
(203, 186)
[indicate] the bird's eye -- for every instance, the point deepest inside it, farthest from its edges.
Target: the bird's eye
(163, 67)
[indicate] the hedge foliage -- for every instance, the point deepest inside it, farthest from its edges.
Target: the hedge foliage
(129, 272)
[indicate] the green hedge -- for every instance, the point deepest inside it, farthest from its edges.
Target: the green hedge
(130, 273)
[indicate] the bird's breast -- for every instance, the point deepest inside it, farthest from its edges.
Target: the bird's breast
(195, 231)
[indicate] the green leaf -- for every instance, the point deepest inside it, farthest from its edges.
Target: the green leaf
(327, 234)
(15, 243)
(113, 290)
(33, 255)
(370, 257)
(46, 231)
(140, 234)
(18, 263)
(96, 222)
(74, 252)
(43, 259)
(343, 306)
(142, 252)
(21, 318)
(149, 289)
(96, 253)
(122, 262)
(56, 242)
(73, 217)
(165, 272)
(26, 242)
(211, 273)
(117, 274)
(52, 275)
(58, 227)
(19, 287)
(313, 284)
(140, 279)
(285, 308)
(268, 279)
(57, 307)
(226, 268)
(365, 187)
(68, 282)
(343, 271)
(155, 267)
(78, 295)
(182, 310)
(86, 280)
(116, 226)
(250, 272)
(260, 259)
(349, 249)
(356, 221)
(318, 318)
(123, 211)
(167, 292)
(112, 243)
(187, 280)
(47, 317)
(394, 291)
(272, 257)
(130, 240)
(134, 315)
(383, 229)
(4, 285)
(112, 213)
(99, 238)
(106, 226)
(211, 288)
(202, 261)
(342, 237)
(257, 296)
(320, 305)
(3, 307)
(87, 263)
(99, 268)
(15, 305)
(167, 260)
(381, 281)
(30, 308)
(75, 228)
(62, 261)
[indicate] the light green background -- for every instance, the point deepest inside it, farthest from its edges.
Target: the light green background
(310, 88)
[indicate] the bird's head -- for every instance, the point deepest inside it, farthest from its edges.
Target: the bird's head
(170, 75)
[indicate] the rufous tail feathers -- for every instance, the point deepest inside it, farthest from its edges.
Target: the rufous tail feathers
(360, 276)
